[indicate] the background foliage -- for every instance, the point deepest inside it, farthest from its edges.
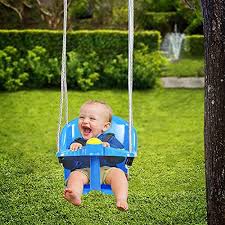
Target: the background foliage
(102, 14)
(32, 60)
(33, 57)
(84, 71)
(193, 46)
(100, 41)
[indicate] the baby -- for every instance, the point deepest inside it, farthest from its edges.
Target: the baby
(94, 119)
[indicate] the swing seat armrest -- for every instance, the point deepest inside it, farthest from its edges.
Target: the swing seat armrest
(95, 150)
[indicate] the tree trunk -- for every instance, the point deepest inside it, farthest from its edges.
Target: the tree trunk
(214, 32)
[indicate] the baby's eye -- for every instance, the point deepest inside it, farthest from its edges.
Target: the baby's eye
(92, 118)
(81, 117)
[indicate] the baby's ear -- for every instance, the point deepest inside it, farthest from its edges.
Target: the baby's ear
(106, 126)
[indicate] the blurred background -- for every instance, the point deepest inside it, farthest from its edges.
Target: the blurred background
(161, 15)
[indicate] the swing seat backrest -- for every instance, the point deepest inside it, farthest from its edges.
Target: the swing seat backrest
(119, 127)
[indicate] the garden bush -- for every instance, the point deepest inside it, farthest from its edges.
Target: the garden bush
(147, 66)
(42, 62)
(115, 72)
(87, 71)
(84, 71)
(193, 46)
(35, 70)
(106, 43)
(43, 71)
(12, 69)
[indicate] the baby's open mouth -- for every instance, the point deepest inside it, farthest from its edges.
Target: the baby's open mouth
(86, 130)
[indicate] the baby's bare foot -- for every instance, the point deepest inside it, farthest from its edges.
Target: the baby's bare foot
(72, 196)
(122, 205)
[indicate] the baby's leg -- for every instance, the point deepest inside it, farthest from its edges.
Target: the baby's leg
(74, 188)
(118, 181)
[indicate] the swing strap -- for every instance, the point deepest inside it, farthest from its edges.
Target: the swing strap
(129, 161)
(130, 66)
(64, 95)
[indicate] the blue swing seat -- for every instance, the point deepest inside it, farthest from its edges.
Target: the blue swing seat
(94, 153)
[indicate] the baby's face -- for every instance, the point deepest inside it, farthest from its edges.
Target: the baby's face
(93, 120)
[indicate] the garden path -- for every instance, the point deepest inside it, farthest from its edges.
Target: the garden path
(182, 82)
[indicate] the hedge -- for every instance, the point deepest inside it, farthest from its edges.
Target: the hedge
(193, 45)
(106, 43)
(96, 59)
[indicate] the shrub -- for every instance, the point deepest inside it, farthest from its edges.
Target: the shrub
(115, 73)
(82, 70)
(12, 69)
(43, 70)
(100, 41)
(101, 46)
(147, 66)
(35, 70)
(193, 45)
(87, 71)
(53, 77)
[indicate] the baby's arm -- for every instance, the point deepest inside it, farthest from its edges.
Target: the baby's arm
(75, 146)
(77, 143)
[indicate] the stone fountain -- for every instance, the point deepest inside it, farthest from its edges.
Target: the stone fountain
(172, 44)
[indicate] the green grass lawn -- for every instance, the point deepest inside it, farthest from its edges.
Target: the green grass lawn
(166, 180)
(185, 67)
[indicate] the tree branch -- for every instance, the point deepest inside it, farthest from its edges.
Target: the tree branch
(190, 5)
(27, 4)
(45, 12)
(13, 8)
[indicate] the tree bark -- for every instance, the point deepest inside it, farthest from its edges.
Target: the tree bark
(214, 127)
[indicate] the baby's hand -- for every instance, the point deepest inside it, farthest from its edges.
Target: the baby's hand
(75, 146)
(105, 144)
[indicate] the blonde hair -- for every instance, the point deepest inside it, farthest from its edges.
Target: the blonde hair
(107, 107)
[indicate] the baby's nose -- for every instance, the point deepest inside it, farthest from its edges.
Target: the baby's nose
(86, 120)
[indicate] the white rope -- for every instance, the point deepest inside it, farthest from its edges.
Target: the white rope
(130, 65)
(64, 95)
